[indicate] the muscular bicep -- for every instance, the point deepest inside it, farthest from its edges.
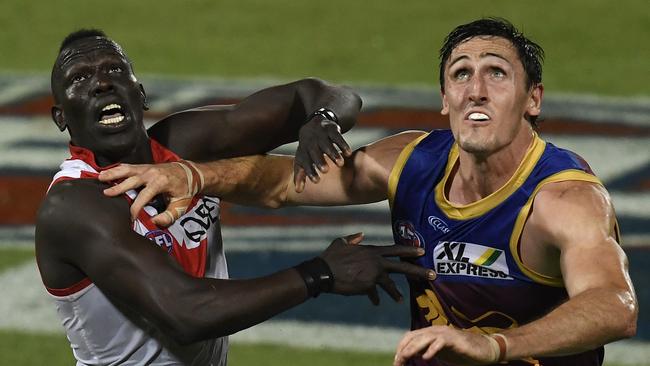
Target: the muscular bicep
(259, 123)
(362, 179)
(578, 219)
(98, 240)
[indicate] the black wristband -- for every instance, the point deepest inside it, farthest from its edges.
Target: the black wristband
(326, 113)
(317, 275)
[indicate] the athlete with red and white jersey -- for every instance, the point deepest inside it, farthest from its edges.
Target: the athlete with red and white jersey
(131, 291)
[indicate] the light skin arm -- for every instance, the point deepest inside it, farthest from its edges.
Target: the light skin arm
(576, 219)
(265, 180)
(140, 277)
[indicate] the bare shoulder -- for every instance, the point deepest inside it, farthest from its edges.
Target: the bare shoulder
(571, 209)
(386, 150)
(77, 206)
(377, 159)
(398, 141)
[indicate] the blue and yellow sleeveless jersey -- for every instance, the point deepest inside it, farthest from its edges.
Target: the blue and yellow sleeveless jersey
(482, 284)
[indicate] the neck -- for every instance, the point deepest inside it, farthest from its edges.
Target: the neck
(139, 154)
(476, 176)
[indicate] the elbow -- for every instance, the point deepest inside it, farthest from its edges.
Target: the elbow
(182, 330)
(272, 204)
(182, 325)
(274, 201)
(629, 324)
(185, 335)
(628, 315)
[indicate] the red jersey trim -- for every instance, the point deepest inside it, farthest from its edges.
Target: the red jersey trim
(159, 153)
(70, 290)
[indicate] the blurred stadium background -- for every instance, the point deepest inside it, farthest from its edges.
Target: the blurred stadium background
(196, 52)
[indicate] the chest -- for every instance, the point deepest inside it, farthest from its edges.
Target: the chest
(194, 240)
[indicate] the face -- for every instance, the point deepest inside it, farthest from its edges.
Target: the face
(486, 97)
(99, 99)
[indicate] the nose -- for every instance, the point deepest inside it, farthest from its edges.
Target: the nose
(103, 84)
(478, 90)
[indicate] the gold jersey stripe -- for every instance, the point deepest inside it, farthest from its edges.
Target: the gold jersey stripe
(565, 175)
(482, 206)
(396, 171)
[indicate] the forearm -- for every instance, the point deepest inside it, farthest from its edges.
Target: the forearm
(346, 104)
(588, 320)
(258, 180)
(261, 122)
(224, 307)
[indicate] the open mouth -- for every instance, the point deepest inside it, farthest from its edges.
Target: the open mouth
(111, 114)
(478, 117)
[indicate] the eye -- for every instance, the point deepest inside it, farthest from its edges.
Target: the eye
(462, 74)
(76, 78)
(116, 69)
(498, 73)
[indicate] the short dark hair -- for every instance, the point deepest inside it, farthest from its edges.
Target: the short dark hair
(530, 53)
(76, 36)
(80, 34)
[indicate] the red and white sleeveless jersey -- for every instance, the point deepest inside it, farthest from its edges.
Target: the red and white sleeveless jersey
(98, 332)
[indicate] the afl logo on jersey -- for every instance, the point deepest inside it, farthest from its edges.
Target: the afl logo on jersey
(161, 238)
(407, 235)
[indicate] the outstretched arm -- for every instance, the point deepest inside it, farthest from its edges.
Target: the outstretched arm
(265, 120)
(134, 273)
(576, 219)
(265, 180)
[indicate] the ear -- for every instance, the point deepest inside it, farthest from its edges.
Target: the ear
(445, 104)
(145, 106)
(57, 117)
(534, 107)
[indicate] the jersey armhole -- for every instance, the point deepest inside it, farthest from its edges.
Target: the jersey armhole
(522, 217)
(396, 171)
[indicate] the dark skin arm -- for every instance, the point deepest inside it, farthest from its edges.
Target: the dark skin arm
(135, 274)
(263, 121)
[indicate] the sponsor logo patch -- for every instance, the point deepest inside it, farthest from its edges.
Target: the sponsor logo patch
(467, 259)
(407, 235)
(438, 224)
(161, 238)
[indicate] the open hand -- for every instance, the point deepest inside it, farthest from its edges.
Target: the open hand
(358, 269)
(446, 343)
(169, 179)
(317, 139)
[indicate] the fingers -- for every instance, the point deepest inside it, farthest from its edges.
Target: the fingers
(353, 239)
(176, 208)
(412, 344)
(128, 184)
(164, 219)
(373, 295)
(389, 286)
(303, 161)
(318, 159)
(339, 141)
(409, 269)
(402, 251)
(433, 349)
(120, 171)
(144, 197)
(299, 177)
(330, 150)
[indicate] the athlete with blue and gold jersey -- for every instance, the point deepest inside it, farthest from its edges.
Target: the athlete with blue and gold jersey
(522, 235)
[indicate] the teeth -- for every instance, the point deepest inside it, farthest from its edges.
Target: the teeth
(111, 106)
(478, 116)
(111, 121)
